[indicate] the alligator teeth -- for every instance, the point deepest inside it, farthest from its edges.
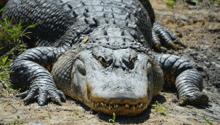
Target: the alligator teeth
(140, 105)
(110, 107)
(133, 107)
(115, 106)
(145, 105)
(102, 104)
(126, 106)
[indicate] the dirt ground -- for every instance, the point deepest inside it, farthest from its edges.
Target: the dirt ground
(196, 27)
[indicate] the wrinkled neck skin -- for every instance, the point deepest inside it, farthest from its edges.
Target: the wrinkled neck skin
(119, 81)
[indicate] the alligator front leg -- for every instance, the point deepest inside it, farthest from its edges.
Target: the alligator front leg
(186, 78)
(163, 36)
(28, 72)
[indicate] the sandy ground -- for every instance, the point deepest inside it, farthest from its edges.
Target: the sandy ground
(199, 29)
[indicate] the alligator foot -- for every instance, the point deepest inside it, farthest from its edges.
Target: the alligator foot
(163, 36)
(42, 95)
(197, 99)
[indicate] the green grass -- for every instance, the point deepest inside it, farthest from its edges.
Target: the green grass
(49, 115)
(16, 121)
(217, 1)
(159, 108)
(113, 118)
(207, 120)
(11, 42)
(170, 3)
(211, 1)
(4, 65)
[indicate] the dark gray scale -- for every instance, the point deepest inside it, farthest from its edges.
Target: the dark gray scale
(54, 17)
(117, 14)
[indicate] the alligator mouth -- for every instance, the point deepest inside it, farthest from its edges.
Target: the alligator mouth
(119, 109)
(124, 103)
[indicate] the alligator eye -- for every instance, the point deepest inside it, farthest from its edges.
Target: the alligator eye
(105, 62)
(80, 67)
(129, 62)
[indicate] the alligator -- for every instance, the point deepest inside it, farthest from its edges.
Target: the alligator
(99, 52)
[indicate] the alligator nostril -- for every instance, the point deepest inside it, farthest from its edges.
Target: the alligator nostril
(129, 59)
(103, 61)
(129, 62)
(106, 62)
(124, 68)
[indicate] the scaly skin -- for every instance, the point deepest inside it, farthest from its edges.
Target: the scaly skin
(99, 52)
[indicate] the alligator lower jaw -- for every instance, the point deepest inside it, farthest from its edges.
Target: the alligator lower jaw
(119, 109)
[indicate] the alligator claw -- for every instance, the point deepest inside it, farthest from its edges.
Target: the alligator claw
(30, 96)
(54, 96)
(177, 41)
(61, 94)
(23, 94)
(43, 95)
(163, 36)
(197, 99)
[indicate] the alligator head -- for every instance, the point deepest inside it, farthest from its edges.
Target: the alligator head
(122, 81)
